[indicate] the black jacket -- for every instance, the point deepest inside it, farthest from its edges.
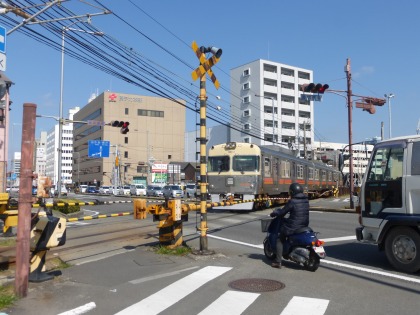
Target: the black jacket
(298, 209)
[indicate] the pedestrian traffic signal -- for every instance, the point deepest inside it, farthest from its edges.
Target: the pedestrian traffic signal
(314, 88)
(370, 108)
(124, 127)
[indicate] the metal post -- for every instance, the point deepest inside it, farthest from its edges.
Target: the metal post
(389, 96)
(25, 200)
(347, 69)
(60, 116)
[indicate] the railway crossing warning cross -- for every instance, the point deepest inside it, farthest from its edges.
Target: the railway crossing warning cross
(206, 64)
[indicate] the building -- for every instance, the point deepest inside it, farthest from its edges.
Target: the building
(41, 154)
(328, 152)
(51, 169)
(156, 136)
(269, 108)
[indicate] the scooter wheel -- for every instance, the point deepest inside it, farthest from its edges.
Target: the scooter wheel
(312, 263)
(268, 251)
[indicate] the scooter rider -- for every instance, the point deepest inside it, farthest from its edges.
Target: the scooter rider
(298, 209)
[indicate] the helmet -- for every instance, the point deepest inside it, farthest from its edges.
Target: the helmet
(295, 189)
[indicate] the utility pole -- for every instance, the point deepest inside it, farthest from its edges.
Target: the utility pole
(347, 70)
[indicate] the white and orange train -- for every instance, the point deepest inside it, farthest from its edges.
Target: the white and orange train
(245, 171)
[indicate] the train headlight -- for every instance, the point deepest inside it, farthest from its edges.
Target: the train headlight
(230, 146)
(211, 186)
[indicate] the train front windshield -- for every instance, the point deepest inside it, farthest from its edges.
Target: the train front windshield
(245, 163)
(218, 164)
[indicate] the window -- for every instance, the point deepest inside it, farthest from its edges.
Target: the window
(247, 127)
(415, 159)
(310, 173)
(247, 113)
(267, 167)
(303, 75)
(285, 169)
(288, 99)
(247, 72)
(247, 86)
(245, 163)
(125, 140)
(299, 171)
(247, 140)
(287, 85)
(126, 111)
(287, 72)
(126, 154)
(247, 99)
(150, 113)
(218, 164)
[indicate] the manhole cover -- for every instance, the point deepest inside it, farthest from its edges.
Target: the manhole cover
(256, 285)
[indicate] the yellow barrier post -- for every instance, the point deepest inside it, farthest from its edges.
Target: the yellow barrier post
(140, 209)
(7, 214)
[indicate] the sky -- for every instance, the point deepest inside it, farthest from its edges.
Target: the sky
(379, 37)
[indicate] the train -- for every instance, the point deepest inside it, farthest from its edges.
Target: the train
(244, 171)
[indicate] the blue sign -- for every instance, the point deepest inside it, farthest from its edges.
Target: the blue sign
(98, 149)
(2, 40)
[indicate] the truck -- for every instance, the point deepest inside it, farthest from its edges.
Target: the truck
(389, 202)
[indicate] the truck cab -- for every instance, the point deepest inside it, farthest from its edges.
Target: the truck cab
(389, 202)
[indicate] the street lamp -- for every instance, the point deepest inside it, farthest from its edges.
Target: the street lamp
(60, 123)
(389, 96)
(78, 171)
(272, 104)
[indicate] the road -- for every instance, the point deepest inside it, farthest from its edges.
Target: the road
(117, 272)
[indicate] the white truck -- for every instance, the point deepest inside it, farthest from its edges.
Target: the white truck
(389, 202)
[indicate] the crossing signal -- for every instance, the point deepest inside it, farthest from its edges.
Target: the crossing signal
(124, 127)
(314, 88)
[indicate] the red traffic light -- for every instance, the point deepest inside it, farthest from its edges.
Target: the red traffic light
(124, 127)
(314, 88)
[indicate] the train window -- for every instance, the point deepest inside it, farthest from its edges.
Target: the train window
(324, 176)
(285, 169)
(267, 167)
(329, 176)
(316, 174)
(245, 163)
(218, 164)
(299, 171)
(310, 173)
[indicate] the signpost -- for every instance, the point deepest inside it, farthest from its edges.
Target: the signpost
(2, 48)
(98, 148)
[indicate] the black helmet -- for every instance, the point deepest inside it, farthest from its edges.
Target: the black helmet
(295, 189)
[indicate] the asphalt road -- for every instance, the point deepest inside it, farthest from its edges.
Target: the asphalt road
(125, 276)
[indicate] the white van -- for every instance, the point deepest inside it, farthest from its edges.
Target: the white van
(83, 188)
(137, 190)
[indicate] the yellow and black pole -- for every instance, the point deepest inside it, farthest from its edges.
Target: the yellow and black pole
(200, 72)
(203, 166)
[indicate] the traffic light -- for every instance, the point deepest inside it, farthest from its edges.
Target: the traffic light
(314, 88)
(375, 101)
(117, 123)
(370, 108)
(124, 127)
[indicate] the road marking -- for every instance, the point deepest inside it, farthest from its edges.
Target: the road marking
(230, 303)
(141, 280)
(372, 271)
(81, 309)
(302, 306)
(161, 300)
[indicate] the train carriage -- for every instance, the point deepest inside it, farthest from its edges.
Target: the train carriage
(245, 171)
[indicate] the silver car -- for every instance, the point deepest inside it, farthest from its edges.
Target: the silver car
(172, 191)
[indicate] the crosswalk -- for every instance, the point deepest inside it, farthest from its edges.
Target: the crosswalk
(229, 303)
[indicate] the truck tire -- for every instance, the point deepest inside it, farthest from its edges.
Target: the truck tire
(402, 249)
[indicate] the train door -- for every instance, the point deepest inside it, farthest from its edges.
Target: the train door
(267, 174)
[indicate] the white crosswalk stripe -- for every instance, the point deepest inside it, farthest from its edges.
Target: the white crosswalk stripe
(229, 303)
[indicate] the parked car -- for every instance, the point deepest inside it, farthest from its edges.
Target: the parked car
(105, 190)
(92, 190)
(137, 190)
(172, 191)
(125, 190)
(82, 188)
(54, 191)
(154, 191)
(116, 190)
(190, 190)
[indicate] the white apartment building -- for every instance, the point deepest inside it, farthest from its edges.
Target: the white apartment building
(51, 169)
(266, 105)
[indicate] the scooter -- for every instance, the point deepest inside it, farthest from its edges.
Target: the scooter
(303, 247)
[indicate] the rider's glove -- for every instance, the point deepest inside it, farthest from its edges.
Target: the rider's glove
(273, 214)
